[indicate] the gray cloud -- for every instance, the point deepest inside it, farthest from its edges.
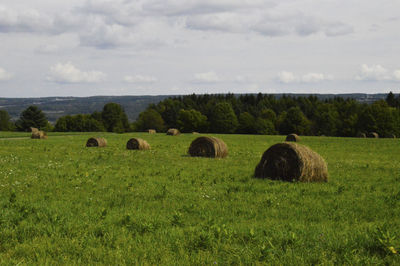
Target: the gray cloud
(28, 20)
(173, 39)
(268, 24)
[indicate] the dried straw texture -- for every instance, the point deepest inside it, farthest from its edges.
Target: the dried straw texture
(38, 134)
(390, 136)
(292, 137)
(292, 162)
(208, 147)
(361, 135)
(152, 131)
(96, 142)
(137, 144)
(373, 135)
(195, 133)
(173, 132)
(34, 129)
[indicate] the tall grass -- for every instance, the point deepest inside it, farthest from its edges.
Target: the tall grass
(63, 203)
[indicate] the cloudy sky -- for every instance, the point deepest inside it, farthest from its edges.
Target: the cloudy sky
(153, 47)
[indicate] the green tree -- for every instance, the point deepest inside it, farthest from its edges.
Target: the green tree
(191, 120)
(264, 127)
(294, 121)
(223, 118)
(78, 123)
(61, 124)
(326, 120)
(114, 118)
(5, 121)
(268, 114)
(246, 124)
(391, 100)
(379, 117)
(149, 119)
(169, 110)
(31, 117)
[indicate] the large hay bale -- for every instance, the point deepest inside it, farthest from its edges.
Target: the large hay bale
(96, 142)
(137, 144)
(34, 129)
(38, 134)
(292, 137)
(373, 135)
(361, 135)
(152, 131)
(292, 162)
(208, 147)
(173, 132)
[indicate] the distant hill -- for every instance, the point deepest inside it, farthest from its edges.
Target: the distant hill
(55, 107)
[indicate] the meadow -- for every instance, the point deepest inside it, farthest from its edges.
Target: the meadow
(63, 203)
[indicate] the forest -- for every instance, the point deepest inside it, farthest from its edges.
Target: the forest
(232, 114)
(266, 114)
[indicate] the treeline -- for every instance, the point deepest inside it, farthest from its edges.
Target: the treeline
(112, 118)
(266, 114)
(243, 114)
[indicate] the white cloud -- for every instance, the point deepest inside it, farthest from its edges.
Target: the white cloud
(373, 73)
(377, 73)
(286, 77)
(206, 77)
(68, 73)
(4, 75)
(140, 79)
(396, 74)
(315, 77)
(242, 79)
(289, 77)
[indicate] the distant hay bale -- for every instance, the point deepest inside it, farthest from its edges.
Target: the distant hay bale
(195, 133)
(96, 142)
(373, 135)
(292, 162)
(208, 147)
(173, 132)
(152, 131)
(292, 137)
(38, 134)
(137, 144)
(361, 135)
(34, 129)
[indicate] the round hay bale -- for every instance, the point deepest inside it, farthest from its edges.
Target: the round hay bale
(292, 137)
(39, 135)
(96, 142)
(195, 133)
(292, 162)
(173, 132)
(152, 131)
(34, 129)
(373, 135)
(361, 135)
(208, 147)
(137, 144)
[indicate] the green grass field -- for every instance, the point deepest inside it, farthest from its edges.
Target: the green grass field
(63, 203)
